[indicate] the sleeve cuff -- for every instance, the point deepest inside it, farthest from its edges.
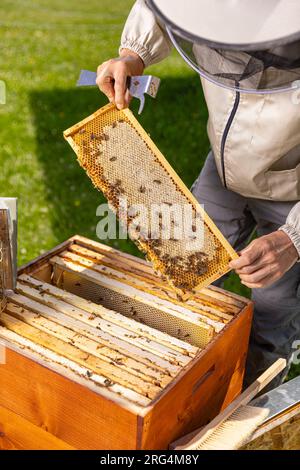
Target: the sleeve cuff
(294, 236)
(139, 49)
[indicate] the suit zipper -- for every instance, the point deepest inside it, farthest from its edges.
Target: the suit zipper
(226, 132)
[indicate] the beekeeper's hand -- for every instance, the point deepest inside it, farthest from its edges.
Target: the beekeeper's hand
(112, 76)
(265, 260)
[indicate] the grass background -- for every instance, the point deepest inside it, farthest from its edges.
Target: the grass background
(44, 44)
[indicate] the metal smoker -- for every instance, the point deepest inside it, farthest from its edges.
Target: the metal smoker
(8, 247)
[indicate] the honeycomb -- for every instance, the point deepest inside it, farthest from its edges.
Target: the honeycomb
(123, 162)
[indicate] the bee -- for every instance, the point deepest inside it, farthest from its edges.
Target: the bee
(117, 187)
(186, 353)
(119, 361)
(89, 374)
(179, 297)
(133, 311)
(142, 189)
(182, 285)
(157, 181)
(132, 212)
(113, 159)
(108, 383)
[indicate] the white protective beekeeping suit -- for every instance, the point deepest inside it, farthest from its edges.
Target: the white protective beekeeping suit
(249, 77)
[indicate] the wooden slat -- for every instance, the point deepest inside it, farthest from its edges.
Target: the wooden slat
(207, 310)
(16, 433)
(110, 371)
(229, 298)
(97, 328)
(124, 346)
(192, 324)
(88, 345)
(104, 271)
(46, 293)
(231, 302)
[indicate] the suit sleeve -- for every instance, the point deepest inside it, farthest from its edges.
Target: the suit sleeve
(292, 226)
(144, 35)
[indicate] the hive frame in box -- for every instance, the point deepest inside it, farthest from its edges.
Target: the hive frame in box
(221, 268)
(213, 377)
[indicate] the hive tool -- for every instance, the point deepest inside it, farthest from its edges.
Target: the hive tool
(137, 85)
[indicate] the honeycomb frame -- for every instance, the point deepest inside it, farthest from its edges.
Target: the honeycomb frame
(90, 139)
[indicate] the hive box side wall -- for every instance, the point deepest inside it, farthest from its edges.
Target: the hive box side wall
(69, 411)
(214, 380)
(37, 262)
(16, 433)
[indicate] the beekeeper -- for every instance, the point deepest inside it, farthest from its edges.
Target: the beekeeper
(248, 57)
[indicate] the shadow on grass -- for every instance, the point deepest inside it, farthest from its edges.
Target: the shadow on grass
(176, 121)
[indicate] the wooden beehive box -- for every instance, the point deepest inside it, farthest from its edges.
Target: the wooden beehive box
(100, 354)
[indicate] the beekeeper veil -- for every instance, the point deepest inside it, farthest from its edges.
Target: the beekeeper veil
(250, 45)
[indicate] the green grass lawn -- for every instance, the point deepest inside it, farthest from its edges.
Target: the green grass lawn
(44, 44)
